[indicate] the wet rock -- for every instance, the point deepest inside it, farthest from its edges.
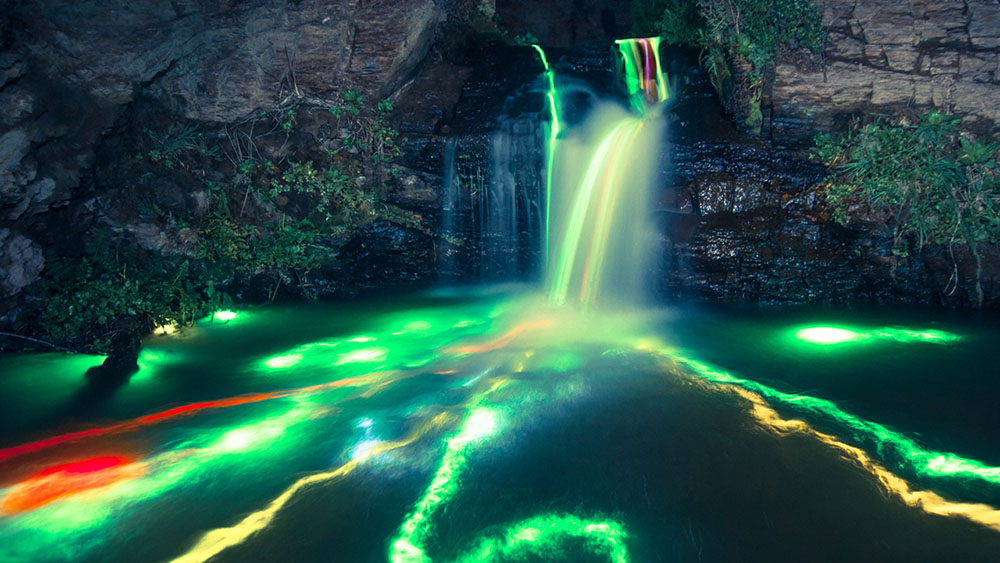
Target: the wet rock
(759, 233)
(21, 262)
(416, 190)
(385, 254)
(121, 363)
(714, 193)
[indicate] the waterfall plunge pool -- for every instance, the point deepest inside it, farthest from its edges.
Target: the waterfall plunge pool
(487, 426)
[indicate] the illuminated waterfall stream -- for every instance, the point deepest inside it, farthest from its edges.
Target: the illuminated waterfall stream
(562, 423)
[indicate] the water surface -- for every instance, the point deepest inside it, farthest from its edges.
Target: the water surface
(484, 425)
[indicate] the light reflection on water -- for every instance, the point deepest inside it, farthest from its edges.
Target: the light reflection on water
(486, 426)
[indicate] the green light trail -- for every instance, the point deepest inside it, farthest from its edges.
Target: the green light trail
(889, 444)
(644, 78)
(550, 147)
(408, 545)
(831, 335)
(543, 537)
(73, 526)
(596, 170)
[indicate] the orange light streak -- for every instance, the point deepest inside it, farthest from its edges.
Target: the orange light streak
(69, 479)
(184, 410)
(502, 341)
(928, 501)
(220, 539)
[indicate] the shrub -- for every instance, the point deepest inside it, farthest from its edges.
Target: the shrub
(925, 181)
(738, 38)
(86, 298)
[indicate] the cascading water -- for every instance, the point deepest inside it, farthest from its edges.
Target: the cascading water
(483, 426)
(452, 202)
(599, 179)
(511, 213)
(491, 203)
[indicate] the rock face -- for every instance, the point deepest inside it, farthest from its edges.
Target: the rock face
(565, 23)
(745, 226)
(745, 222)
(20, 262)
(884, 56)
(70, 69)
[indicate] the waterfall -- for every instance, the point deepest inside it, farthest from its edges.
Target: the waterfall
(582, 202)
(511, 207)
(492, 203)
(600, 202)
(600, 183)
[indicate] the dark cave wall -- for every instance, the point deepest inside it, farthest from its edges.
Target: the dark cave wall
(566, 23)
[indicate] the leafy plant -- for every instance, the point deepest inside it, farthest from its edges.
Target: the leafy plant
(335, 199)
(738, 38)
(167, 150)
(367, 134)
(231, 246)
(86, 297)
(288, 120)
(924, 181)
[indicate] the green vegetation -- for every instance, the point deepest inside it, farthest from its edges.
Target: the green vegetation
(739, 40)
(263, 220)
(168, 150)
(675, 22)
(84, 298)
(927, 182)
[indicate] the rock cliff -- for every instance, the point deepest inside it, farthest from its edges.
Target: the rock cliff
(885, 56)
(69, 70)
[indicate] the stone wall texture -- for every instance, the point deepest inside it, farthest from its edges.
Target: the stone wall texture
(884, 56)
(69, 69)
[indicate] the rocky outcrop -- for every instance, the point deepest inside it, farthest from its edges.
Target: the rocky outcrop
(745, 225)
(746, 222)
(69, 71)
(885, 56)
(20, 262)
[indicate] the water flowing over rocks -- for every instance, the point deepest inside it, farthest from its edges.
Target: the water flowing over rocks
(80, 80)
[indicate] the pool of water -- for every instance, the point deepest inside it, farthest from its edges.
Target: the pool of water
(485, 426)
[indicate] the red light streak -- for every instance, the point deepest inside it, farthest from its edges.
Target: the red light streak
(184, 410)
(68, 479)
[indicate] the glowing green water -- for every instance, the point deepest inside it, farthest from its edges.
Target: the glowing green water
(491, 428)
